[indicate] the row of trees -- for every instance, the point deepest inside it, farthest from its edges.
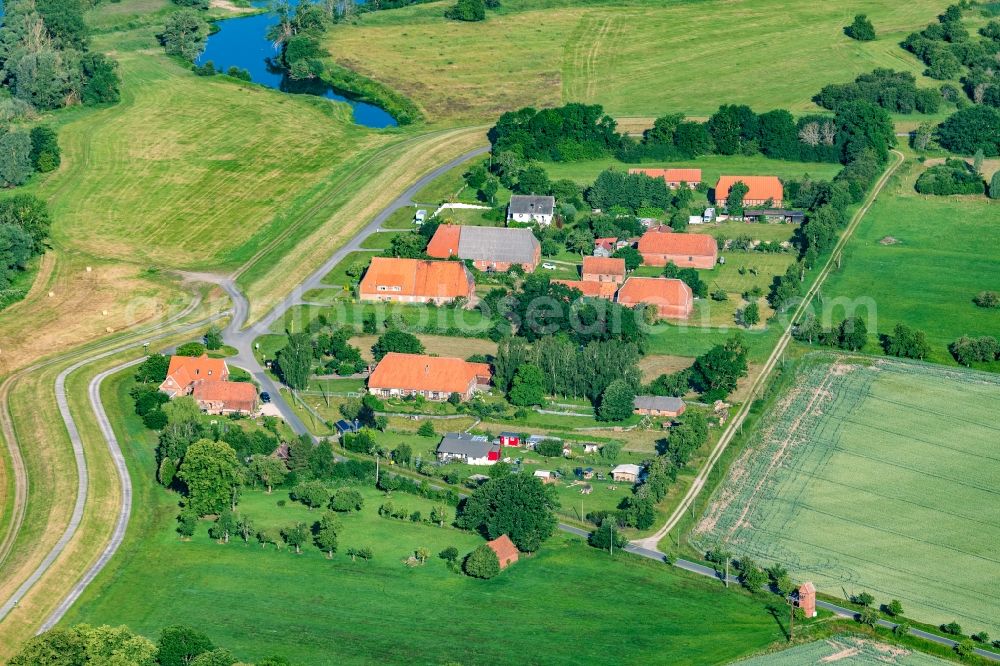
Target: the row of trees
(897, 92)
(82, 644)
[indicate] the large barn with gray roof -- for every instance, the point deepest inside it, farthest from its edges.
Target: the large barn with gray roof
(489, 248)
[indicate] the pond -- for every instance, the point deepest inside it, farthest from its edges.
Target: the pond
(242, 42)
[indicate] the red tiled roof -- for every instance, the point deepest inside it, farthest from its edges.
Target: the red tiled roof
(416, 372)
(658, 242)
(655, 291)
(606, 243)
(603, 265)
(187, 369)
(762, 188)
(417, 277)
(672, 175)
(591, 288)
(505, 549)
(233, 395)
(445, 241)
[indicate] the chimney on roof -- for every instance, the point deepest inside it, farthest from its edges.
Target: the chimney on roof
(427, 369)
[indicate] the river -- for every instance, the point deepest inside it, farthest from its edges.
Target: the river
(242, 42)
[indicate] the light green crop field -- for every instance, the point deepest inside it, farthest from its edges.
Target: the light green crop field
(572, 603)
(844, 651)
(640, 58)
(920, 259)
(879, 476)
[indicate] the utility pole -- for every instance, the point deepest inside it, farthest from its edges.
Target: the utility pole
(791, 618)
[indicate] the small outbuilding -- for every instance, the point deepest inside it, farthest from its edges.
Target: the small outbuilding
(807, 599)
(505, 549)
(626, 473)
(545, 476)
(659, 405)
(510, 439)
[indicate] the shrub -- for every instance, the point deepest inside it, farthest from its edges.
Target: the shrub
(191, 349)
(987, 299)
(467, 10)
(482, 563)
(861, 29)
(952, 177)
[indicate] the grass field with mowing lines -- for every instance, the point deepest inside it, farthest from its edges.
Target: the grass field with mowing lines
(947, 251)
(875, 475)
(844, 651)
(636, 58)
(227, 589)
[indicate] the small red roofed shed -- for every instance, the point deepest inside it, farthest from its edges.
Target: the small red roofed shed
(505, 549)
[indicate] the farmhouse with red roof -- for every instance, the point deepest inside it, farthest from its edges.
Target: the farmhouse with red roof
(672, 298)
(659, 247)
(764, 191)
(433, 377)
(673, 177)
(207, 381)
(415, 281)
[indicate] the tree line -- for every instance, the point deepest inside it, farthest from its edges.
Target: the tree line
(24, 232)
(83, 645)
(45, 56)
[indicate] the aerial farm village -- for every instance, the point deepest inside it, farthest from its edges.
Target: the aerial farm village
(499, 332)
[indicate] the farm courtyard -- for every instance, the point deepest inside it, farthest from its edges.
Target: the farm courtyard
(877, 476)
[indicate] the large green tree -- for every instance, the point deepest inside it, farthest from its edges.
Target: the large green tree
(517, 505)
(295, 361)
(528, 387)
(715, 373)
(395, 340)
(179, 645)
(617, 401)
(184, 34)
(212, 475)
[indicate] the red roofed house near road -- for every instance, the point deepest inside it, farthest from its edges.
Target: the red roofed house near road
(763, 190)
(603, 269)
(673, 177)
(433, 377)
(672, 298)
(686, 250)
(489, 248)
(505, 549)
(415, 281)
(207, 381)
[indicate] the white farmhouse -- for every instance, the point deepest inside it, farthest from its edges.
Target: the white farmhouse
(530, 208)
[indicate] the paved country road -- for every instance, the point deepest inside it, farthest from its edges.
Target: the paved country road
(242, 339)
(233, 335)
(736, 422)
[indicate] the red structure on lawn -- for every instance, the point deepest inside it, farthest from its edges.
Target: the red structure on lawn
(807, 599)
(505, 549)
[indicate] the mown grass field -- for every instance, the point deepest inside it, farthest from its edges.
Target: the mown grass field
(637, 58)
(844, 651)
(323, 611)
(874, 475)
(712, 166)
(920, 259)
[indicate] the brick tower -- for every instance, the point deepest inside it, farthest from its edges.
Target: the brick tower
(807, 599)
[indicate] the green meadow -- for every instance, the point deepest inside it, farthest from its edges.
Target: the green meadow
(566, 604)
(919, 260)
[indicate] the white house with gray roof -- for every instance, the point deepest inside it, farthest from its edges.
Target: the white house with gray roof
(468, 449)
(527, 208)
(489, 248)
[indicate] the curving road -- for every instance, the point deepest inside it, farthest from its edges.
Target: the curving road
(83, 477)
(233, 334)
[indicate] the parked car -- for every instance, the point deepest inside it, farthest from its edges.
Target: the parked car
(548, 266)
(265, 397)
